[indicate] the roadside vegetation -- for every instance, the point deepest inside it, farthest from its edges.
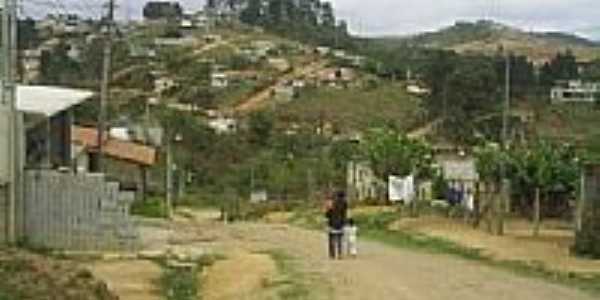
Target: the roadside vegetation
(290, 283)
(182, 280)
(29, 276)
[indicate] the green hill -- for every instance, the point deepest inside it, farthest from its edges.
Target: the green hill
(487, 37)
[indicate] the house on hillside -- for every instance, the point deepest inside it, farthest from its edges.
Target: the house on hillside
(223, 124)
(416, 89)
(568, 91)
(335, 77)
(279, 64)
(125, 161)
(219, 80)
(285, 92)
(163, 84)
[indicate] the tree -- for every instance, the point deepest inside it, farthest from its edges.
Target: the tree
(544, 167)
(471, 91)
(253, 12)
(260, 128)
(492, 164)
(154, 10)
(562, 67)
(592, 72)
(391, 153)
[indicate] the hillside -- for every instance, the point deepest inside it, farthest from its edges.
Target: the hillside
(592, 33)
(486, 37)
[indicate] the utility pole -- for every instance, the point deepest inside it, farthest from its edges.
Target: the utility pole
(505, 185)
(506, 109)
(105, 84)
(9, 140)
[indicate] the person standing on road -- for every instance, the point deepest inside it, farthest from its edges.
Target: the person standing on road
(336, 219)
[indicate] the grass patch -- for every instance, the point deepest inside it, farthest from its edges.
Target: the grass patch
(179, 284)
(291, 285)
(356, 108)
(183, 283)
(151, 208)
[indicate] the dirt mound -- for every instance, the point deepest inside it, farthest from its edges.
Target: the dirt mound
(29, 276)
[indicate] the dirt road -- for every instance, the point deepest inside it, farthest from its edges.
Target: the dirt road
(381, 272)
(258, 100)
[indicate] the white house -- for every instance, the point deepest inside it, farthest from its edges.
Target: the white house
(575, 91)
(285, 92)
(223, 125)
(417, 90)
(163, 84)
(361, 181)
(219, 80)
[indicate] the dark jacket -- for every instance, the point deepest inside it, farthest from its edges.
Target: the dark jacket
(336, 216)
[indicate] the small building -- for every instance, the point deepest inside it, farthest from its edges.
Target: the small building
(285, 92)
(262, 48)
(323, 51)
(163, 84)
(459, 171)
(416, 89)
(219, 80)
(279, 64)
(335, 77)
(223, 125)
(575, 91)
(125, 161)
(47, 121)
(361, 181)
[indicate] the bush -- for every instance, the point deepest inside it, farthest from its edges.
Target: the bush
(587, 241)
(151, 208)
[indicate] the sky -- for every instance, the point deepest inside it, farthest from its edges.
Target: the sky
(403, 17)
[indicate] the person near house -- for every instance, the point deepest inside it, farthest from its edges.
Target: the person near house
(351, 237)
(336, 219)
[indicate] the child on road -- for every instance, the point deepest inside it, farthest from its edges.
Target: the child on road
(351, 235)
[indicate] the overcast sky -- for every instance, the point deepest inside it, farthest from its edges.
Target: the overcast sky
(399, 17)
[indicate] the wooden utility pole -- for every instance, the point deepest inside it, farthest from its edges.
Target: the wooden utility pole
(9, 140)
(504, 200)
(105, 84)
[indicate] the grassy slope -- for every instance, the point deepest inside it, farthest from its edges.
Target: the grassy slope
(572, 123)
(355, 108)
(485, 37)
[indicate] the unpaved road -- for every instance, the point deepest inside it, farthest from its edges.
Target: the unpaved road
(381, 272)
(259, 99)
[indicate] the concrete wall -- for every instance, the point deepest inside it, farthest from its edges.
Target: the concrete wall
(81, 212)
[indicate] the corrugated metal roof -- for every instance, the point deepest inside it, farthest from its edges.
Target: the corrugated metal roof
(48, 101)
(122, 150)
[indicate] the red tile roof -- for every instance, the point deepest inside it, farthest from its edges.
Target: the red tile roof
(121, 150)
